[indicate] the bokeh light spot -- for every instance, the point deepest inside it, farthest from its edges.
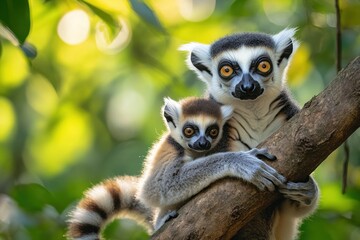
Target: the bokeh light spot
(279, 12)
(41, 95)
(196, 10)
(13, 67)
(125, 114)
(300, 59)
(74, 27)
(62, 143)
(112, 44)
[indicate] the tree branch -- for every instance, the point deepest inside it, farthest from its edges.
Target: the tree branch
(300, 146)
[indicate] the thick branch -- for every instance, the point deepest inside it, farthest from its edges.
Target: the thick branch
(300, 146)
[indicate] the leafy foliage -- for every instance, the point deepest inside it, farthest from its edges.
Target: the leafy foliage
(16, 16)
(79, 113)
(40, 196)
(145, 12)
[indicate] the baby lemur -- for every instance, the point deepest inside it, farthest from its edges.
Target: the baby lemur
(188, 158)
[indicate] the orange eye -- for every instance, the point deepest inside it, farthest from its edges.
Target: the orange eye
(188, 132)
(214, 132)
(226, 71)
(264, 67)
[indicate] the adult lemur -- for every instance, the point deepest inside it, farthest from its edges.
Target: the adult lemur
(187, 159)
(247, 71)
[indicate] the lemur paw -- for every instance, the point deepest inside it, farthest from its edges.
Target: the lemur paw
(303, 193)
(259, 173)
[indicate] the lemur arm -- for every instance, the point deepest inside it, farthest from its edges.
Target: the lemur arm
(178, 180)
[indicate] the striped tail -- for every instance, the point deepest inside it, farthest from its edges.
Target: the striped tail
(102, 203)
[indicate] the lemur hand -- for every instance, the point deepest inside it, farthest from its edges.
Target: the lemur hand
(304, 193)
(257, 172)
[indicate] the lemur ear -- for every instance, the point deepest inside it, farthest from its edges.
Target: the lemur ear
(285, 45)
(226, 112)
(199, 59)
(171, 112)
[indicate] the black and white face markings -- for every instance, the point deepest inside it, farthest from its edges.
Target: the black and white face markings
(196, 123)
(245, 82)
(201, 133)
(243, 65)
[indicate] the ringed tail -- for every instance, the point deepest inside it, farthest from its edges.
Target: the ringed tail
(102, 203)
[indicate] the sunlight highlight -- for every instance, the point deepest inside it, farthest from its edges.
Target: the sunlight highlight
(62, 142)
(323, 20)
(14, 67)
(279, 12)
(112, 43)
(41, 95)
(74, 27)
(123, 119)
(196, 10)
(301, 58)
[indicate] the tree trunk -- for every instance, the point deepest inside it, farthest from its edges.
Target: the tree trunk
(326, 121)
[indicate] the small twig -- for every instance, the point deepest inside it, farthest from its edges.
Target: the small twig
(345, 167)
(338, 68)
(338, 36)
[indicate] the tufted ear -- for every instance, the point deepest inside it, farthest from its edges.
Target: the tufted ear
(226, 112)
(171, 113)
(199, 59)
(285, 45)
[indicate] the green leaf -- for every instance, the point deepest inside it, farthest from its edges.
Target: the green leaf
(107, 18)
(16, 16)
(31, 197)
(145, 12)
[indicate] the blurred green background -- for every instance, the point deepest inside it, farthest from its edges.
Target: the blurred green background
(87, 107)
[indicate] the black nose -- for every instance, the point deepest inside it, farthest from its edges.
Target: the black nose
(202, 144)
(247, 84)
(205, 144)
(247, 87)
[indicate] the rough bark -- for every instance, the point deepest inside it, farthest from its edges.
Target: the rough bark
(300, 145)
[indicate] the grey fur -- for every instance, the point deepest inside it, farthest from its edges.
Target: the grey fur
(171, 185)
(173, 172)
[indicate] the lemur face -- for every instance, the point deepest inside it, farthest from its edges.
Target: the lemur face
(200, 133)
(196, 123)
(244, 73)
(242, 66)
